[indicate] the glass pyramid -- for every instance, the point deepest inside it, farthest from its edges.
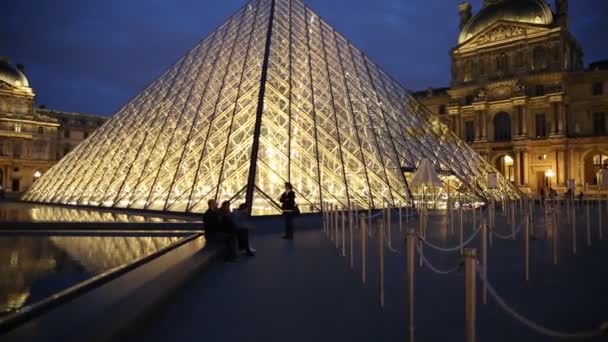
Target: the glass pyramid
(275, 94)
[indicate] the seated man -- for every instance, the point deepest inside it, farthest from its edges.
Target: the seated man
(229, 223)
(215, 232)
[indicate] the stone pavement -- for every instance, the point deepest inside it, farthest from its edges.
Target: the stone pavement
(304, 291)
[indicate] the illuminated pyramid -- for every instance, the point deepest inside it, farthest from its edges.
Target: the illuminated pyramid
(274, 94)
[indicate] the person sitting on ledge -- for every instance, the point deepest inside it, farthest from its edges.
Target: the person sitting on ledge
(214, 230)
(229, 226)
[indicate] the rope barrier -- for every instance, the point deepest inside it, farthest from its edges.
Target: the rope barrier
(603, 329)
(508, 236)
(450, 249)
(433, 267)
(389, 243)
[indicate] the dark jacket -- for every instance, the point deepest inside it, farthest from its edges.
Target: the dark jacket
(226, 223)
(288, 200)
(212, 222)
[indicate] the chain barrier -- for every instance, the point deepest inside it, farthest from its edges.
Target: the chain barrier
(433, 267)
(602, 331)
(450, 249)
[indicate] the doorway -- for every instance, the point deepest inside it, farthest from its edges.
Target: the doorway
(16, 185)
(541, 182)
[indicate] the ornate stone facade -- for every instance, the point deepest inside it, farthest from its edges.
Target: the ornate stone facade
(33, 139)
(522, 98)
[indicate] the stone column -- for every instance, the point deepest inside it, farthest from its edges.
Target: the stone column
(524, 115)
(484, 126)
(561, 124)
(517, 167)
(478, 126)
(557, 115)
(518, 121)
(561, 170)
(525, 176)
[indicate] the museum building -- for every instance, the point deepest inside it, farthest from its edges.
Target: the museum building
(522, 97)
(32, 138)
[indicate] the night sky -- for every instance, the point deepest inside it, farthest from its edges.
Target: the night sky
(92, 56)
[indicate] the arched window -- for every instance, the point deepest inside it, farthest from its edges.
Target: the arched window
(539, 56)
(502, 127)
(40, 130)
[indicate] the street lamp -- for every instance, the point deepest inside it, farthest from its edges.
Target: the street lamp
(549, 174)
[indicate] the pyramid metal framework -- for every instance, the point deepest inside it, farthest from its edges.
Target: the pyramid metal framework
(275, 94)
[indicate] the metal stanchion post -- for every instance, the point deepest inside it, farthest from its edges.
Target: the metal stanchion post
(484, 258)
(555, 238)
(380, 248)
(491, 220)
(330, 222)
(470, 263)
(369, 219)
(513, 219)
(411, 249)
(400, 218)
(474, 215)
(588, 224)
(344, 231)
(574, 229)
(527, 248)
(363, 236)
(461, 212)
(336, 223)
(599, 218)
(389, 226)
(351, 239)
(451, 220)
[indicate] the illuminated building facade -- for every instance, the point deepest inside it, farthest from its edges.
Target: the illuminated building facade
(522, 98)
(275, 94)
(33, 139)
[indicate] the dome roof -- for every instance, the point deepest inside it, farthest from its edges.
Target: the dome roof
(12, 75)
(523, 11)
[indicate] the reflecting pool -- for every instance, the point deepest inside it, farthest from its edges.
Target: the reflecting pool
(33, 268)
(28, 212)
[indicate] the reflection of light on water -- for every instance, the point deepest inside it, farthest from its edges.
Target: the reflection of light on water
(41, 213)
(99, 253)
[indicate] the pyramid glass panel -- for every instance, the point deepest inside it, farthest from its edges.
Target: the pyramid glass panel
(273, 95)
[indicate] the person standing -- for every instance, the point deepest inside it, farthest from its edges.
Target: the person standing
(289, 208)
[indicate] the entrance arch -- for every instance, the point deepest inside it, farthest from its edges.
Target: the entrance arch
(506, 165)
(593, 162)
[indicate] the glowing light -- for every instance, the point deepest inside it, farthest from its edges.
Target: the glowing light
(549, 173)
(37, 174)
(189, 136)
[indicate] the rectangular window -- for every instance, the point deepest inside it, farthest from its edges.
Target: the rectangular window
(541, 126)
(598, 88)
(469, 131)
(18, 128)
(599, 123)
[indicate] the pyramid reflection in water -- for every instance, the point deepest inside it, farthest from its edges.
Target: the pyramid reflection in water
(274, 94)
